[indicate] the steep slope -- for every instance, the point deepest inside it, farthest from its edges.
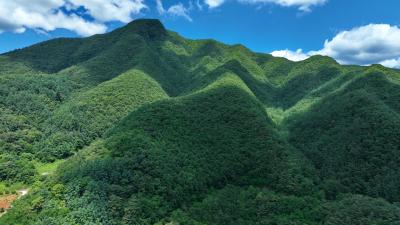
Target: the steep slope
(252, 205)
(353, 135)
(79, 121)
(58, 54)
(26, 101)
(208, 123)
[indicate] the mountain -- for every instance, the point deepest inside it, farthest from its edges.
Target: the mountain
(158, 129)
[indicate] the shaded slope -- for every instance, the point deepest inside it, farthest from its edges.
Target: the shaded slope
(304, 77)
(256, 206)
(353, 136)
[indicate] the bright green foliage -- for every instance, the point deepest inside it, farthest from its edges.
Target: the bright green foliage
(47, 168)
(160, 129)
(26, 101)
(84, 118)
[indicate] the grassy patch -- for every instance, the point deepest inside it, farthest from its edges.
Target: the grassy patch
(47, 168)
(8, 188)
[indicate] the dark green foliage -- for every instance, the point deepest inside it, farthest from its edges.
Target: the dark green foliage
(251, 206)
(361, 210)
(55, 55)
(201, 136)
(164, 130)
(49, 56)
(16, 168)
(240, 206)
(353, 136)
(307, 76)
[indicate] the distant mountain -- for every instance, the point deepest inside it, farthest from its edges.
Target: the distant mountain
(159, 129)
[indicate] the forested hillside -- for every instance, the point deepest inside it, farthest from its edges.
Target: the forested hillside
(158, 129)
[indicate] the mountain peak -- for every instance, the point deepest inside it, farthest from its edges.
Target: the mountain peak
(321, 58)
(151, 29)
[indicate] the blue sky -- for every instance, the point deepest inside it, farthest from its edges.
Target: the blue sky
(351, 31)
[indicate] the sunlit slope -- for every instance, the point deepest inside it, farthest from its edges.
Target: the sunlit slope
(179, 65)
(26, 101)
(86, 116)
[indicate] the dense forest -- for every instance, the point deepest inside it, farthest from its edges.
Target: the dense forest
(147, 127)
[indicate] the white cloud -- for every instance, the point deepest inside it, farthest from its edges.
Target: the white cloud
(303, 5)
(160, 7)
(392, 63)
(175, 10)
(111, 10)
(365, 45)
(373, 43)
(46, 15)
(213, 3)
(291, 55)
(179, 10)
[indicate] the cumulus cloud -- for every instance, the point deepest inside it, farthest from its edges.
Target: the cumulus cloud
(177, 10)
(365, 45)
(391, 63)
(373, 43)
(87, 17)
(48, 15)
(111, 10)
(291, 55)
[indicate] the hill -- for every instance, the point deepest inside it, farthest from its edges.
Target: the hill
(352, 136)
(159, 129)
(85, 117)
